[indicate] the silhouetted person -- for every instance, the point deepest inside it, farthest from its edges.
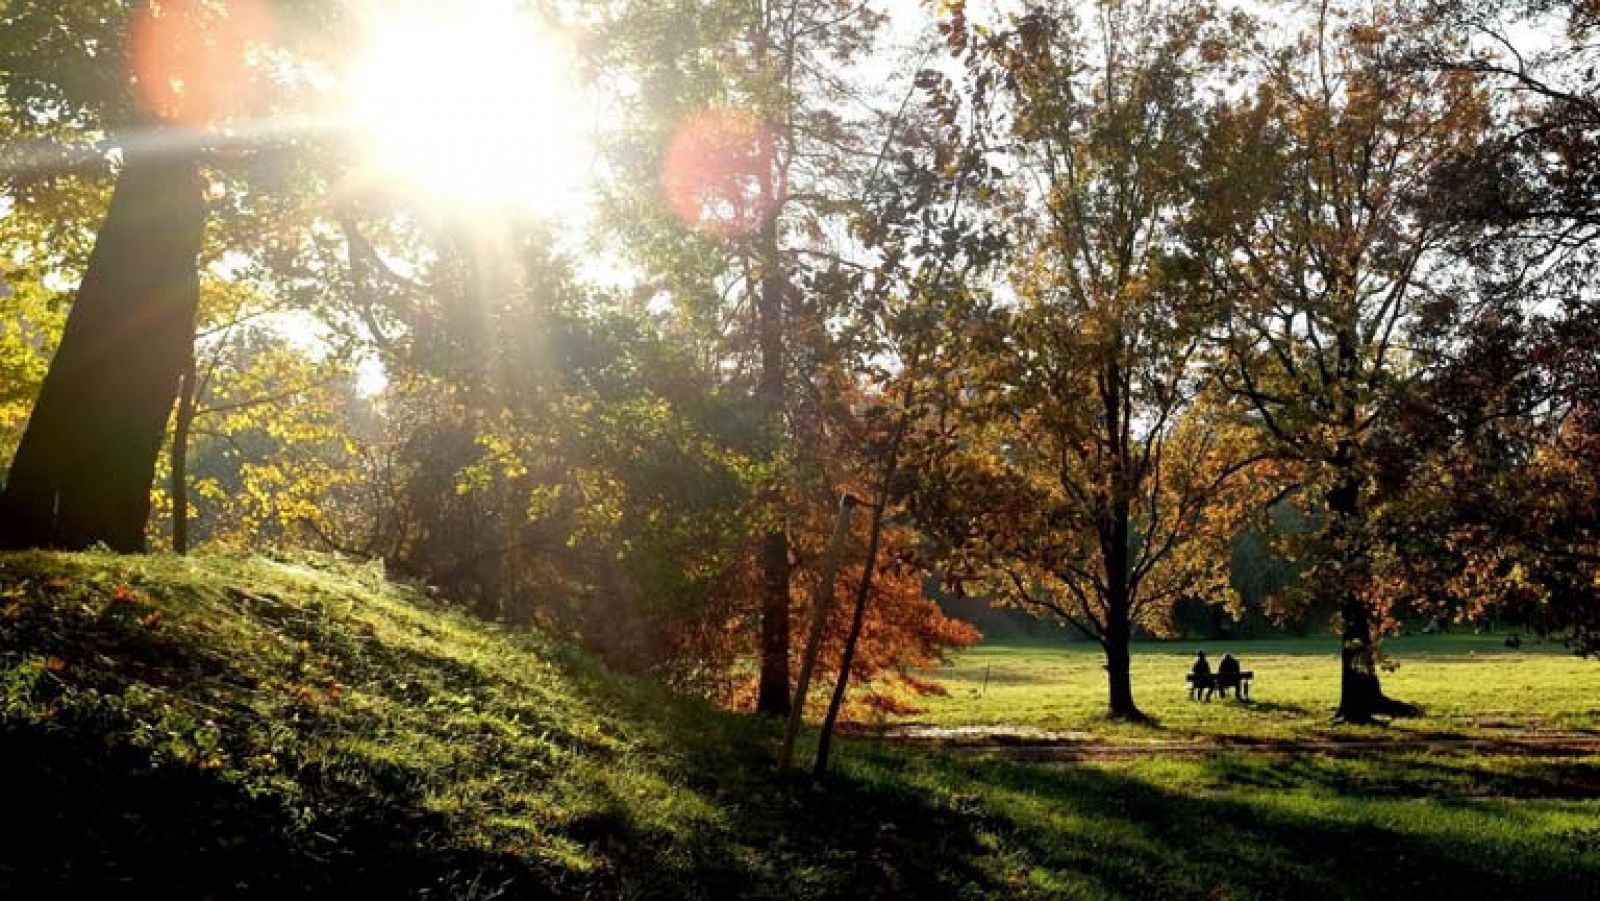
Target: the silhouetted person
(1201, 676)
(1228, 674)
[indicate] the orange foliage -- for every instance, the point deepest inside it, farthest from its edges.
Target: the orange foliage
(904, 634)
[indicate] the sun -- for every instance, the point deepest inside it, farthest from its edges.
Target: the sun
(472, 105)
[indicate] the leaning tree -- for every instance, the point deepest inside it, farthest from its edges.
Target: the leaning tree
(143, 84)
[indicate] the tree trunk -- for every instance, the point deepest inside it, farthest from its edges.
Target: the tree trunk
(772, 696)
(1119, 657)
(857, 620)
(891, 467)
(1360, 693)
(1118, 638)
(187, 397)
(83, 471)
(1118, 660)
(1115, 535)
(821, 606)
(1361, 696)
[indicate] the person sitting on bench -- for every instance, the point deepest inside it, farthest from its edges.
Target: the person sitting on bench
(1200, 677)
(1228, 677)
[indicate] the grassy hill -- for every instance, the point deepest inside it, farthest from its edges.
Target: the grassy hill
(231, 727)
(249, 727)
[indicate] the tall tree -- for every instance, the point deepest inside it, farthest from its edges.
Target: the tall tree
(152, 75)
(1332, 265)
(1533, 193)
(1079, 463)
(1534, 184)
(83, 471)
(744, 160)
(1501, 514)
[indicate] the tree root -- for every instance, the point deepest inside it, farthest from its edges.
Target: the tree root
(1131, 716)
(1379, 710)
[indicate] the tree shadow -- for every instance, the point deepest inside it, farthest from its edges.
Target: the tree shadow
(101, 820)
(1273, 708)
(104, 818)
(769, 834)
(897, 822)
(120, 803)
(1106, 832)
(1441, 778)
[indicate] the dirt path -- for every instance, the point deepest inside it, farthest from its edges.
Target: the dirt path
(1029, 745)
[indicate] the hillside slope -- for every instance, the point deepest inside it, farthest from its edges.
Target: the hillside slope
(244, 727)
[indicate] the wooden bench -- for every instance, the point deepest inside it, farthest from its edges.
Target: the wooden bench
(1219, 683)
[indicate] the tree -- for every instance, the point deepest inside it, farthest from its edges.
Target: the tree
(1082, 461)
(1512, 490)
(83, 469)
(1533, 185)
(264, 441)
(741, 165)
(1331, 266)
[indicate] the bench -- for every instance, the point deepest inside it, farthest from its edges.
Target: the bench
(1216, 682)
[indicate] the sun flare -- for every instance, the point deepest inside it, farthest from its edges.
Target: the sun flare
(472, 105)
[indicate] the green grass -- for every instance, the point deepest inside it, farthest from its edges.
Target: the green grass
(274, 727)
(1467, 685)
(1303, 827)
(250, 728)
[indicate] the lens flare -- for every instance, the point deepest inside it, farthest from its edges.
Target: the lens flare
(192, 58)
(718, 173)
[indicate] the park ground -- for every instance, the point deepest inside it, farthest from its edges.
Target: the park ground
(1491, 793)
(272, 728)
(1469, 686)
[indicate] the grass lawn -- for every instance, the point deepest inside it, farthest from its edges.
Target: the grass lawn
(222, 727)
(1467, 684)
(1240, 826)
(1284, 825)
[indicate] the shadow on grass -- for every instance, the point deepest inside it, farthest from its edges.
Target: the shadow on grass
(97, 813)
(683, 802)
(101, 821)
(1273, 708)
(1439, 778)
(1087, 830)
(769, 834)
(899, 823)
